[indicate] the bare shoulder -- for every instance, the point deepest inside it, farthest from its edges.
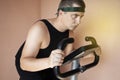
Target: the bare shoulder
(38, 30)
(37, 34)
(35, 39)
(38, 27)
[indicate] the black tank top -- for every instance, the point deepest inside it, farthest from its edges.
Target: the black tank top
(47, 74)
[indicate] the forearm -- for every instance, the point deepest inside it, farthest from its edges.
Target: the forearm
(33, 64)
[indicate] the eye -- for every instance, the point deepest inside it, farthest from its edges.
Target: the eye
(81, 16)
(74, 16)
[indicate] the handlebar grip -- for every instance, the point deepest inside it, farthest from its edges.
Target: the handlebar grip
(64, 42)
(88, 38)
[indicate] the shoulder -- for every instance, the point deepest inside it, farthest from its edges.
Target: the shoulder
(37, 32)
(38, 28)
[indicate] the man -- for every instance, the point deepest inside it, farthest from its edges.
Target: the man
(38, 55)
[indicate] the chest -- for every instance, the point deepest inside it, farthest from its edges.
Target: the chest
(50, 43)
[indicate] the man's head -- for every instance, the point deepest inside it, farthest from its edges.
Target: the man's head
(66, 5)
(71, 12)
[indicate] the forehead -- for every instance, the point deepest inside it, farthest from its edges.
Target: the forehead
(76, 13)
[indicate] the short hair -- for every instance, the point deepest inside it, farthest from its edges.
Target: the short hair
(69, 3)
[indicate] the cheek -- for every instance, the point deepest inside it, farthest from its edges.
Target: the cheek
(68, 20)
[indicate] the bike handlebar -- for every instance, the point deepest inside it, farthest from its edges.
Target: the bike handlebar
(76, 54)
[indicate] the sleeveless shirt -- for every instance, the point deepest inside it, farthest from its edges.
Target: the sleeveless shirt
(46, 74)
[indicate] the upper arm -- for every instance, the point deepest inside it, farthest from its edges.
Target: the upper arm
(33, 41)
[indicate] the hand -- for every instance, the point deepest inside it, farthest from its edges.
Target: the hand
(56, 58)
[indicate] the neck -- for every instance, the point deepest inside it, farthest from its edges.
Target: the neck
(58, 24)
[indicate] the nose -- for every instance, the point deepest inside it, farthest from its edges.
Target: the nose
(78, 20)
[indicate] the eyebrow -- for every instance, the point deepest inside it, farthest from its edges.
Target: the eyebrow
(78, 14)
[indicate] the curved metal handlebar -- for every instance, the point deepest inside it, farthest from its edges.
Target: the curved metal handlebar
(64, 42)
(78, 53)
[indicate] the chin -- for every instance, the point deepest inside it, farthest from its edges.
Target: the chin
(73, 28)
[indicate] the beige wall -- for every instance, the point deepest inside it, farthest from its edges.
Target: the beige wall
(16, 16)
(101, 20)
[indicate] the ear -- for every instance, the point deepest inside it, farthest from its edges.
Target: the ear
(61, 12)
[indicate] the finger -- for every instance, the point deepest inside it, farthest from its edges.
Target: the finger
(58, 64)
(59, 51)
(61, 61)
(58, 60)
(59, 56)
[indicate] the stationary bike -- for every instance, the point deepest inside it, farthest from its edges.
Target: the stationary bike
(75, 55)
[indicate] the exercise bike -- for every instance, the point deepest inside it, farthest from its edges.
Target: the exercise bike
(74, 57)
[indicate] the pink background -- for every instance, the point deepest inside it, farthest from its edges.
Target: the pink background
(101, 21)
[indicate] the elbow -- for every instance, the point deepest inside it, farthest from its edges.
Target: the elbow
(22, 64)
(25, 64)
(23, 67)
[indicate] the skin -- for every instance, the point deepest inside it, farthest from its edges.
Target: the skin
(38, 38)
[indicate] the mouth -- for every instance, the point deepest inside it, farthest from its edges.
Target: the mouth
(74, 27)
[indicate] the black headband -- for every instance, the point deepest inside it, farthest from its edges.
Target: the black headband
(72, 9)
